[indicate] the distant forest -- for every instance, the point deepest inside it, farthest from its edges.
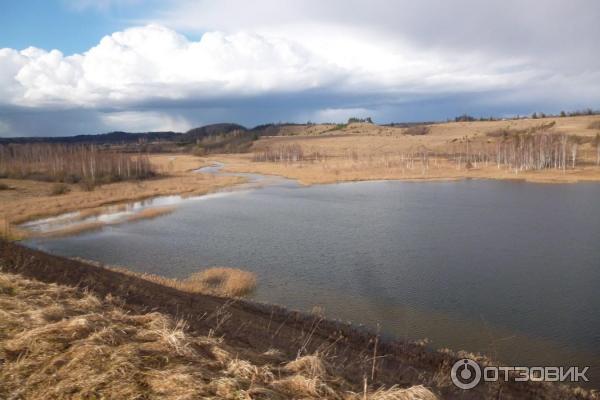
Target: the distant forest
(224, 136)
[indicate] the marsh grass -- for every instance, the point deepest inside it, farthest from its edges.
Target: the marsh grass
(220, 281)
(150, 213)
(8, 231)
(73, 229)
(77, 226)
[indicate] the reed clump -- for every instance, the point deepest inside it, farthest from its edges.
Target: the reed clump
(8, 231)
(220, 281)
(150, 213)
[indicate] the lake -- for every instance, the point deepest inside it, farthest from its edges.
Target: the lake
(510, 269)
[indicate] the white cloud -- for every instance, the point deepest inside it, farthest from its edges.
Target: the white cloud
(265, 60)
(562, 33)
(153, 62)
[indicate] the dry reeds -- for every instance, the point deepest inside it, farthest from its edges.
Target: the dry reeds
(74, 229)
(220, 281)
(149, 213)
(8, 231)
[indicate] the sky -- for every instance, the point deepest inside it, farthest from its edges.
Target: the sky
(90, 66)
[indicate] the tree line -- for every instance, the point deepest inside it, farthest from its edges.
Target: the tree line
(517, 151)
(71, 163)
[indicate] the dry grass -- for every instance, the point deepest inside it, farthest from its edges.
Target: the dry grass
(311, 366)
(220, 281)
(594, 124)
(73, 229)
(76, 228)
(396, 393)
(150, 213)
(60, 342)
(9, 232)
(370, 152)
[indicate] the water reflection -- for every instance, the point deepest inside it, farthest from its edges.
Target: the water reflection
(505, 268)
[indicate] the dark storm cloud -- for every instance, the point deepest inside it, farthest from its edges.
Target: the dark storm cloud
(312, 60)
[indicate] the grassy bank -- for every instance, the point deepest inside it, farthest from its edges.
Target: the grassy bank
(74, 330)
(60, 342)
(29, 199)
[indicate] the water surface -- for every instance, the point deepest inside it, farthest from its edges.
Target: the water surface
(507, 268)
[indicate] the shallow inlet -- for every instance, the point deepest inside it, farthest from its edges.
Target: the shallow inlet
(79, 221)
(505, 268)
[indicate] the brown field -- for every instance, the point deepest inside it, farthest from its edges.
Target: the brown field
(28, 199)
(372, 152)
(69, 329)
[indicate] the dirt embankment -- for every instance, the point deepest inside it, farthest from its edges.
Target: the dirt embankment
(255, 328)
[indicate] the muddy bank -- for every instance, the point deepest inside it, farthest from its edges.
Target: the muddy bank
(260, 327)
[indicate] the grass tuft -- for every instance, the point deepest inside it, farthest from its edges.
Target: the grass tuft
(221, 280)
(149, 213)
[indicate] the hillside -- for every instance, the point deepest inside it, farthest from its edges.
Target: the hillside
(120, 137)
(441, 151)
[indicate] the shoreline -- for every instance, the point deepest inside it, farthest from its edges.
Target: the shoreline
(225, 179)
(260, 327)
(28, 201)
(321, 173)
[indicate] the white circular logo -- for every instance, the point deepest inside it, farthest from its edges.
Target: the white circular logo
(465, 374)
